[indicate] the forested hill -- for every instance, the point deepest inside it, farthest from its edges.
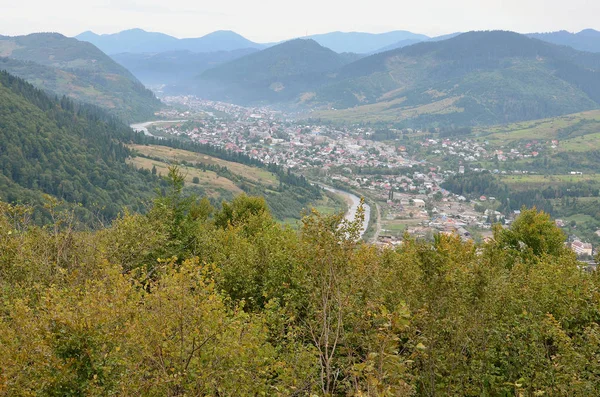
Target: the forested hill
(474, 78)
(78, 153)
(79, 70)
(279, 73)
(71, 151)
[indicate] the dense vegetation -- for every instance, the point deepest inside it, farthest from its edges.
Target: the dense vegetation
(476, 184)
(194, 300)
(71, 151)
(66, 66)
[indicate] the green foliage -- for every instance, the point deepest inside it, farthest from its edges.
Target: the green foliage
(71, 151)
(183, 302)
(532, 232)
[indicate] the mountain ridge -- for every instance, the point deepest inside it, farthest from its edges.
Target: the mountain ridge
(585, 40)
(175, 67)
(77, 69)
(276, 73)
(474, 78)
(141, 41)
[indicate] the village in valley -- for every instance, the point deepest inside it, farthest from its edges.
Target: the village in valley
(400, 173)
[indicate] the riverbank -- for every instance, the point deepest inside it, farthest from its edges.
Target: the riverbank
(143, 127)
(353, 204)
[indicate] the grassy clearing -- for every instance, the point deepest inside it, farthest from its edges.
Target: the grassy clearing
(529, 181)
(396, 228)
(391, 111)
(580, 219)
(583, 143)
(254, 174)
(207, 179)
(537, 129)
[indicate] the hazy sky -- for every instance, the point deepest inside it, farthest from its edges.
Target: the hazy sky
(273, 20)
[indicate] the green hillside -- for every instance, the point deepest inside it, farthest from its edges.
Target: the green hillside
(279, 73)
(81, 155)
(73, 152)
(477, 78)
(79, 70)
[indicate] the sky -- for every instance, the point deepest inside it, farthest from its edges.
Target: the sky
(275, 20)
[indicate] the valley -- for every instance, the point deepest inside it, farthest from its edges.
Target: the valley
(422, 181)
(301, 211)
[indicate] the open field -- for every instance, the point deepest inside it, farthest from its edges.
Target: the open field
(533, 181)
(544, 129)
(253, 174)
(391, 111)
(583, 143)
(208, 179)
(397, 227)
(328, 206)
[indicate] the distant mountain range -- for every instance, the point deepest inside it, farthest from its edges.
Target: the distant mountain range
(409, 42)
(586, 40)
(474, 78)
(140, 41)
(278, 73)
(175, 67)
(364, 43)
(66, 66)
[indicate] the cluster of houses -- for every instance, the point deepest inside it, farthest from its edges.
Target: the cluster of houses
(260, 134)
(469, 150)
(339, 153)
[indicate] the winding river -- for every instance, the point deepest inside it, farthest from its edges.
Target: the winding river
(143, 127)
(353, 203)
(352, 200)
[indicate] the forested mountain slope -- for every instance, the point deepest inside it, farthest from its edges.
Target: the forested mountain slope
(78, 153)
(279, 73)
(474, 78)
(79, 70)
(71, 151)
